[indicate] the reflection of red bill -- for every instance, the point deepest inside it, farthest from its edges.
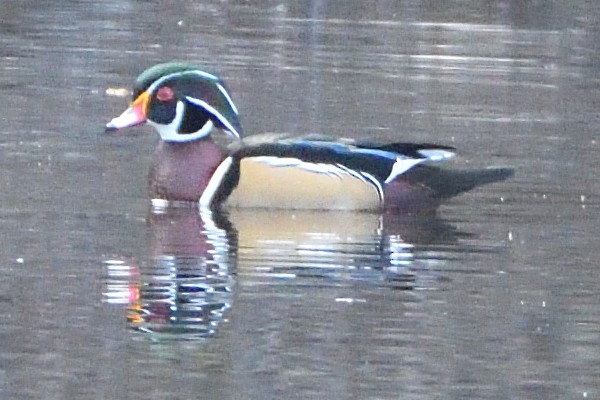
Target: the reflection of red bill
(134, 115)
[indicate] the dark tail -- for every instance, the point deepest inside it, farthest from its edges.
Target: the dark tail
(447, 183)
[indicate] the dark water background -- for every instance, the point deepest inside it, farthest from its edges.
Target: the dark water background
(494, 298)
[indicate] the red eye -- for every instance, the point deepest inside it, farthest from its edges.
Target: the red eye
(165, 93)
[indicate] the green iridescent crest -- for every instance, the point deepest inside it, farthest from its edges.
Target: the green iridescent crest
(152, 74)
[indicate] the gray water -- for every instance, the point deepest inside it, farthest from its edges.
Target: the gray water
(495, 297)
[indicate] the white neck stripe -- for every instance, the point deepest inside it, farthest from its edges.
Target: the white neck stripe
(215, 182)
(215, 113)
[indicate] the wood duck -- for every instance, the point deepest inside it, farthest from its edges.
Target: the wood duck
(193, 111)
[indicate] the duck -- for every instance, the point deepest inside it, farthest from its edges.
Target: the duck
(204, 158)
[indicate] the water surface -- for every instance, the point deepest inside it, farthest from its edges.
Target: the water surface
(493, 297)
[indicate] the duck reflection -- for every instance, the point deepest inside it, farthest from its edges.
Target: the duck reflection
(184, 288)
(195, 258)
(376, 248)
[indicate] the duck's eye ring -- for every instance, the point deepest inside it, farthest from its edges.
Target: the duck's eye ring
(165, 93)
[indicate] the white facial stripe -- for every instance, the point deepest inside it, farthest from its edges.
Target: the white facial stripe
(173, 136)
(214, 183)
(212, 77)
(159, 81)
(204, 74)
(215, 113)
(226, 95)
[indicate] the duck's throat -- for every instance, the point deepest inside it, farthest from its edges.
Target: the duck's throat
(181, 171)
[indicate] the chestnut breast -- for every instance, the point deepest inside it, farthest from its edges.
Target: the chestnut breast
(181, 171)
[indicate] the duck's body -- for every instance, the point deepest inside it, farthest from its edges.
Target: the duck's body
(187, 106)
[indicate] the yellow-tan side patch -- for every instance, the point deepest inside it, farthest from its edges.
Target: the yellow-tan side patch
(263, 185)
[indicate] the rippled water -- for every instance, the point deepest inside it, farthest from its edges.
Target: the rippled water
(495, 296)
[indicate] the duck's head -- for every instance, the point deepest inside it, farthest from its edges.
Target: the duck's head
(182, 102)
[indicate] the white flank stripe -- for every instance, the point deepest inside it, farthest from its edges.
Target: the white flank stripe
(436, 154)
(320, 168)
(278, 161)
(214, 183)
(215, 113)
(358, 175)
(375, 182)
(367, 178)
(401, 166)
(337, 170)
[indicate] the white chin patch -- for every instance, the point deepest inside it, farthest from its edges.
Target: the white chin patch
(170, 132)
